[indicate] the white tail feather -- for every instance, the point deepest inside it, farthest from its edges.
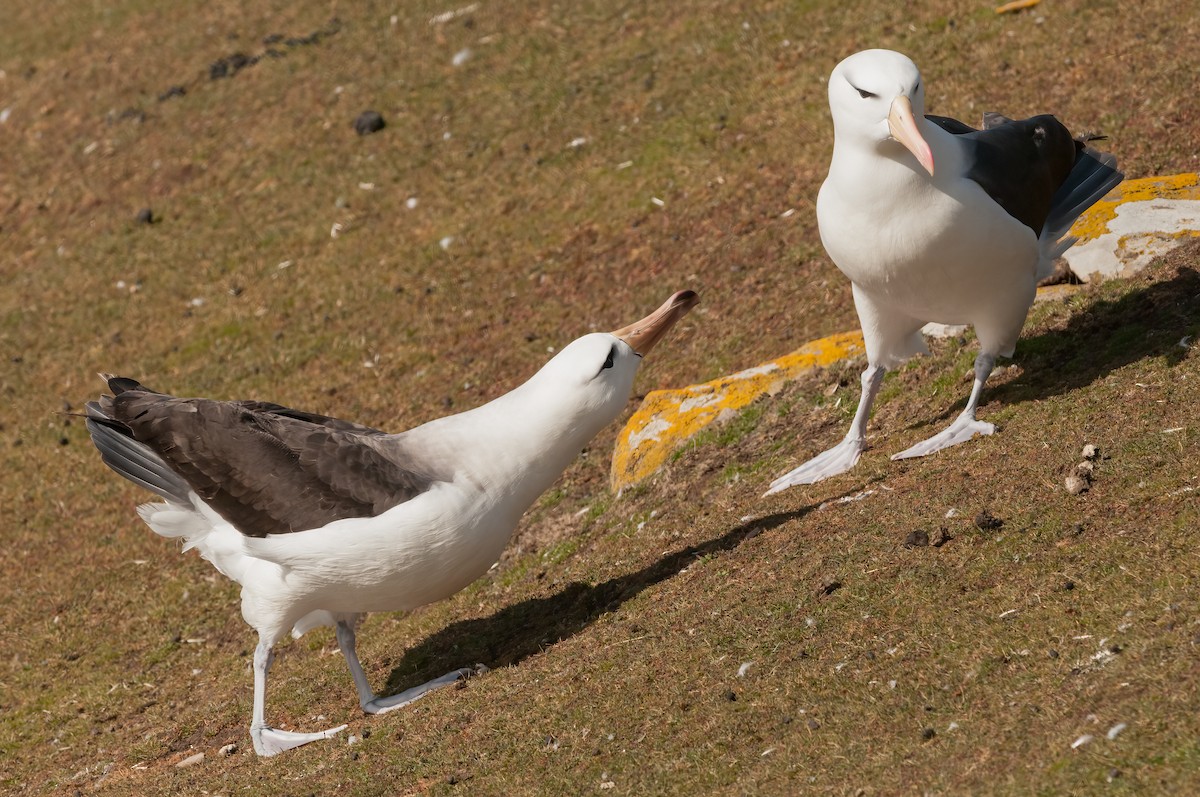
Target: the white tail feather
(200, 528)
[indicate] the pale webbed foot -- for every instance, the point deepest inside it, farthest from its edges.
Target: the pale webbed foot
(838, 459)
(382, 705)
(963, 429)
(272, 741)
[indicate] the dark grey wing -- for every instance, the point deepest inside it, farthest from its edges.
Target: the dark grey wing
(311, 417)
(133, 460)
(264, 470)
(1020, 164)
(1093, 175)
(951, 125)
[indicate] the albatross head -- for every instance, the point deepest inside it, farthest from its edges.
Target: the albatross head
(876, 98)
(589, 381)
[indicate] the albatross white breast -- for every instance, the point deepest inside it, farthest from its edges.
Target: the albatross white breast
(933, 220)
(321, 520)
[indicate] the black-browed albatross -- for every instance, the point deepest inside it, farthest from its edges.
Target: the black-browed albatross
(963, 244)
(322, 520)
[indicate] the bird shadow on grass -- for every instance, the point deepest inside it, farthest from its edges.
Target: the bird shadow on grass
(526, 628)
(1108, 335)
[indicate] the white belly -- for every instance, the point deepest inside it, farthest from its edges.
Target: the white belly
(417, 553)
(947, 255)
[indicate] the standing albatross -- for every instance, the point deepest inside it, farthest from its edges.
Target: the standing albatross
(963, 244)
(321, 520)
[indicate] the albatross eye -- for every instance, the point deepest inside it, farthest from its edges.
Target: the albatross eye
(866, 95)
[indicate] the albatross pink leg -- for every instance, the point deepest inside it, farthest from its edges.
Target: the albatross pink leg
(270, 741)
(841, 457)
(372, 703)
(965, 426)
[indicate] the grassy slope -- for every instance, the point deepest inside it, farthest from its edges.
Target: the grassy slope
(624, 619)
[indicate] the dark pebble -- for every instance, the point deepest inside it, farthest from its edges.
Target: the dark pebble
(62, 441)
(1068, 585)
(369, 122)
(145, 216)
(1052, 653)
(730, 695)
(230, 65)
(928, 734)
(813, 725)
(986, 521)
(916, 539)
(1113, 774)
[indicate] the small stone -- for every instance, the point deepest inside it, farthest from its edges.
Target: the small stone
(730, 695)
(145, 216)
(1068, 585)
(1113, 774)
(814, 725)
(986, 521)
(369, 122)
(1052, 653)
(191, 760)
(1090, 452)
(228, 750)
(1075, 484)
(940, 537)
(928, 734)
(916, 539)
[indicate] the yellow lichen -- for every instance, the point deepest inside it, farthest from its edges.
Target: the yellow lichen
(1094, 222)
(667, 418)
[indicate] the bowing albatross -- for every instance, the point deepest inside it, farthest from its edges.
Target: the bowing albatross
(321, 520)
(963, 244)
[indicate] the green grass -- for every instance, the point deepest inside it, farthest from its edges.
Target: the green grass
(625, 617)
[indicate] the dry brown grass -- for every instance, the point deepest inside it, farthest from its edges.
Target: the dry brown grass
(615, 634)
